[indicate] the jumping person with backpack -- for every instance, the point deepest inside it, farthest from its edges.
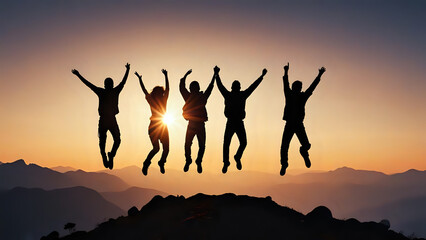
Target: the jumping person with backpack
(194, 111)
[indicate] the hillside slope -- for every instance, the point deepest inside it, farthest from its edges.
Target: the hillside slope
(229, 216)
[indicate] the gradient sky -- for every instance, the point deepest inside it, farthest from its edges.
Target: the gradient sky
(368, 111)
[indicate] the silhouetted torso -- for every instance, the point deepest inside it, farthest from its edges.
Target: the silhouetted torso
(158, 106)
(235, 105)
(108, 101)
(294, 110)
(195, 106)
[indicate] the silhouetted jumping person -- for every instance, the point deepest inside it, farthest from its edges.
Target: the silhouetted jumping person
(157, 129)
(108, 108)
(235, 104)
(294, 113)
(195, 112)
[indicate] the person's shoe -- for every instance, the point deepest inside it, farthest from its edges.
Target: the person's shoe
(111, 160)
(225, 167)
(105, 160)
(238, 161)
(283, 169)
(187, 163)
(145, 168)
(305, 156)
(199, 167)
(162, 170)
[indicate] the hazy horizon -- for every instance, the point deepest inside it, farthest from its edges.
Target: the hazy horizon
(293, 171)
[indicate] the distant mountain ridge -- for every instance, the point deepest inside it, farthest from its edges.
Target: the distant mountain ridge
(365, 195)
(133, 196)
(340, 175)
(42, 190)
(19, 174)
(31, 213)
(229, 216)
(63, 169)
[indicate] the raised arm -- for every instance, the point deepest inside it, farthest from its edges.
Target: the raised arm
(210, 87)
(222, 88)
(314, 84)
(182, 88)
(285, 79)
(141, 83)
(87, 83)
(256, 83)
(121, 85)
(166, 77)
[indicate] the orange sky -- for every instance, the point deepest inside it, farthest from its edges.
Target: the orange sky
(367, 113)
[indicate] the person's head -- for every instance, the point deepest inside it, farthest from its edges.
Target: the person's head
(157, 92)
(108, 83)
(194, 87)
(236, 86)
(296, 86)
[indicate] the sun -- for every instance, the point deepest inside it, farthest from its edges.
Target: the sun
(168, 119)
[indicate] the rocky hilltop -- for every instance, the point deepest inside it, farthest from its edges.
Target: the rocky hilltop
(231, 216)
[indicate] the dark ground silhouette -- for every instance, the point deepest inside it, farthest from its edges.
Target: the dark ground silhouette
(31, 213)
(108, 108)
(232, 217)
(195, 112)
(235, 104)
(294, 113)
(157, 130)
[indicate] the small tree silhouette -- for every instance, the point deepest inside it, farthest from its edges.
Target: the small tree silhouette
(70, 226)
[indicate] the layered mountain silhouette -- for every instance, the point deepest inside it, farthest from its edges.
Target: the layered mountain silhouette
(133, 196)
(63, 169)
(19, 174)
(340, 175)
(29, 208)
(349, 193)
(229, 216)
(402, 211)
(346, 191)
(31, 213)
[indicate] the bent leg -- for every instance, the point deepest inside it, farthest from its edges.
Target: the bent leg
(102, 134)
(201, 137)
(304, 141)
(303, 137)
(285, 143)
(115, 132)
(190, 134)
(155, 149)
(242, 137)
(165, 141)
(229, 131)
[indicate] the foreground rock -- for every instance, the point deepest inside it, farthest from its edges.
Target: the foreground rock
(231, 217)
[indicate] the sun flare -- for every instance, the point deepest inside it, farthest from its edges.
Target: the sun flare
(168, 119)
